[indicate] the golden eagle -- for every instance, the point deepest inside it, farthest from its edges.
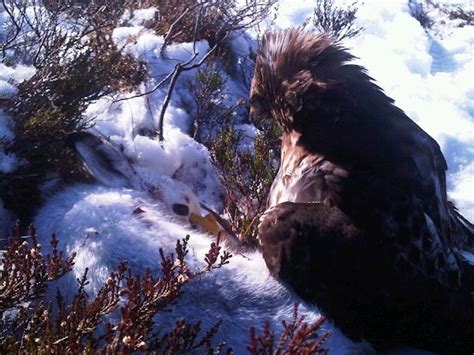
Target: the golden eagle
(358, 219)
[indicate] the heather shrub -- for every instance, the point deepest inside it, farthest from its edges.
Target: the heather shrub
(82, 325)
(211, 110)
(24, 271)
(336, 21)
(193, 20)
(187, 21)
(247, 175)
(31, 325)
(298, 337)
(466, 16)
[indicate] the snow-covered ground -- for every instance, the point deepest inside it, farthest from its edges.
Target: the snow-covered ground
(429, 74)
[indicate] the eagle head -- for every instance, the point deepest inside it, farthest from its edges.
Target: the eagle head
(293, 70)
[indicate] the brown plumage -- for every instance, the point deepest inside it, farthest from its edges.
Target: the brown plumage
(358, 220)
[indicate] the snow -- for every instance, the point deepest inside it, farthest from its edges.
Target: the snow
(10, 77)
(7, 90)
(17, 73)
(463, 182)
(139, 16)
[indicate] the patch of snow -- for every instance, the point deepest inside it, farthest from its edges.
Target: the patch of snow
(133, 123)
(7, 90)
(248, 133)
(463, 190)
(292, 13)
(8, 162)
(10, 76)
(443, 60)
(142, 15)
(121, 35)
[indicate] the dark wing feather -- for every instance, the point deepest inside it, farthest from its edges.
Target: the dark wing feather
(379, 139)
(318, 251)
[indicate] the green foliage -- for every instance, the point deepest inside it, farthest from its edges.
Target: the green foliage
(247, 175)
(207, 92)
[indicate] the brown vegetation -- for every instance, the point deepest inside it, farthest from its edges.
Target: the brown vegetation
(82, 326)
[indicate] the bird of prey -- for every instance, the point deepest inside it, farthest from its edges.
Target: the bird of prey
(358, 218)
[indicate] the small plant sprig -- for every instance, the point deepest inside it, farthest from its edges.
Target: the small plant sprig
(298, 337)
(24, 271)
(206, 89)
(247, 175)
(336, 21)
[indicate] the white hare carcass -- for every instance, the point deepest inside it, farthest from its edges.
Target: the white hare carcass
(130, 219)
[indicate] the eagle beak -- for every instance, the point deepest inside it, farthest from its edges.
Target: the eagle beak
(208, 223)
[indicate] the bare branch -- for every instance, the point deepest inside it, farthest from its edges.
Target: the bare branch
(15, 24)
(177, 70)
(171, 29)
